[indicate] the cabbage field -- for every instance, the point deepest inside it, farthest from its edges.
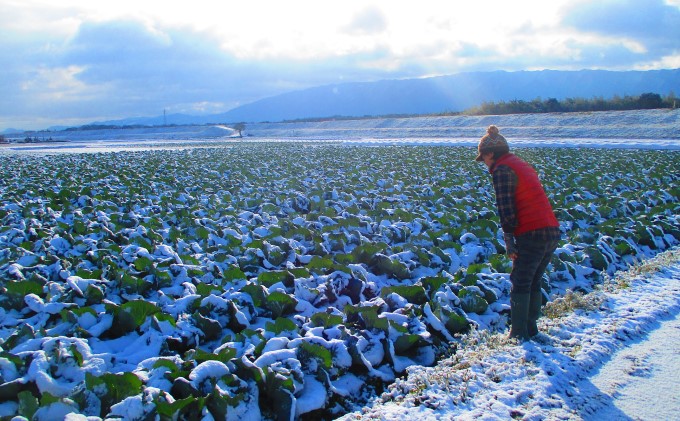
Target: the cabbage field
(281, 280)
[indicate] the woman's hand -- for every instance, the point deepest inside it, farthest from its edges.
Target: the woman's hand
(510, 247)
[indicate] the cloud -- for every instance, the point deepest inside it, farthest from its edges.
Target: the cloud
(82, 60)
(118, 50)
(654, 24)
(370, 20)
(121, 68)
(130, 68)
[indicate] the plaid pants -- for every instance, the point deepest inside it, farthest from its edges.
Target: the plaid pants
(533, 255)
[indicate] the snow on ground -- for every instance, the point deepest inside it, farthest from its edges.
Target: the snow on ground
(656, 129)
(592, 363)
(615, 358)
(640, 377)
(639, 128)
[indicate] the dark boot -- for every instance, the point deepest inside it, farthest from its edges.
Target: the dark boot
(535, 303)
(519, 315)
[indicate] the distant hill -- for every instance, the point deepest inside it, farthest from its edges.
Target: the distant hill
(451, 93)
(11, 131)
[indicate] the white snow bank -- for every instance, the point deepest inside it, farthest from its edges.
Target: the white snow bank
(217, 131)
(652, 129)
(642, 378)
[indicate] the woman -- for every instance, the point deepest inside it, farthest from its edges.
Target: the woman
(530, 228)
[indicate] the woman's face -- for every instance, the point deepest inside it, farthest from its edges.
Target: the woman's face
(488, 159)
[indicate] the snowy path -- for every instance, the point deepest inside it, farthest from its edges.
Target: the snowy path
(618, 360)
(643, 379)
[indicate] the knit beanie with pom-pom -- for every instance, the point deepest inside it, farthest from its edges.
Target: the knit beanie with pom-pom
(493, 141)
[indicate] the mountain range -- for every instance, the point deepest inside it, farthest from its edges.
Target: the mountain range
(439, 94)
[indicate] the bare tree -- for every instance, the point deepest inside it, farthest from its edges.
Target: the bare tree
(240, 127)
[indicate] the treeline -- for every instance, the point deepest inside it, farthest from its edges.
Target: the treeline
(553, 105)
(29, 139)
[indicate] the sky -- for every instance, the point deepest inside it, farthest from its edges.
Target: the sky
(74, 62)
